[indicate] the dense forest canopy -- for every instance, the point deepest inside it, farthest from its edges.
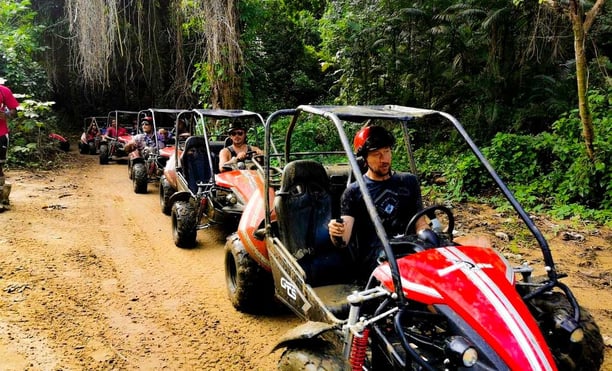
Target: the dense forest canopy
(507, 69)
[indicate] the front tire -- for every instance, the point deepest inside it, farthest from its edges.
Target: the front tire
(165, 191)
(92, 148)
(250, 288)
(313, 355)
(139, 178)
(184, 224)
(130, 167)
(583, 356)
(104, 154)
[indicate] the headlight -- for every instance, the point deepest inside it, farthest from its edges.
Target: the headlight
(231, 199)
(568, 325)
(226, 197)
(470, 357)
(461, 352)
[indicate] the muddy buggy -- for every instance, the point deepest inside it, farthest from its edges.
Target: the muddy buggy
(112, 145)
(193, 190)
(431, 304)
(146, 165)
(90, 144)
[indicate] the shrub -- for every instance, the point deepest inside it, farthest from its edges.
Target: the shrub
(546, 172)
(30, 143)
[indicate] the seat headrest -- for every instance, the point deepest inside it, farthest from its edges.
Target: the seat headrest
(195, 141)
(304, 171)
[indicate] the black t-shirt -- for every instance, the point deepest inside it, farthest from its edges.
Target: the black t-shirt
(397, 200)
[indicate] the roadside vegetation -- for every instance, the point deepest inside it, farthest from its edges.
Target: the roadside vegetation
(509, 71)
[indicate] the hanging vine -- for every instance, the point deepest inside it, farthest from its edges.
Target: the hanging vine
(183, 57)
(218, 74)
(93, 25)
(158, 48)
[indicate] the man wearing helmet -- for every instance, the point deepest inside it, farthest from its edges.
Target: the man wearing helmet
(397, 197)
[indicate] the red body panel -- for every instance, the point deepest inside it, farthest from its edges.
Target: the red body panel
(166, 151)
(57, 137)
(252, 220)
(478, 284)
(170, 171)
(242, 182)
(124, 138)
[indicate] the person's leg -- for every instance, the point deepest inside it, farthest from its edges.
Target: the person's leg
(3, 152)
(326, 268)
(5, 189)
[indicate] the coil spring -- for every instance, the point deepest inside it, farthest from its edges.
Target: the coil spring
(358, 350)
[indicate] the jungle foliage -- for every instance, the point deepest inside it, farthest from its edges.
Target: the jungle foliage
(506, 69)
(21, 53)
(548, 172)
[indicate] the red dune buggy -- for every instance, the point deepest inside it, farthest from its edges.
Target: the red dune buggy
(193, 190)
(430, 303)
(114, 138)
(146, 165)
(89, 142)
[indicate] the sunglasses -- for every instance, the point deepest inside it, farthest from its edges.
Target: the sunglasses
(238, 132)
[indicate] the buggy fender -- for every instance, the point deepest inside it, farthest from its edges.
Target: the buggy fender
(305, 332)
(166, 151)
(57, 137)
(124, 138)
(179, 196)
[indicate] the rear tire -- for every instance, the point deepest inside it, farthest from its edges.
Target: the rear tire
(165, 192)
(583, 356)
(313, 355)
(250, 287)
(92, 148)
(83, 148)
(139, 178)
(184, 224)
(104, 154)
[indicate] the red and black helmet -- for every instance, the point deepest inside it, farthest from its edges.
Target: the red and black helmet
(147, 120)
(371, 138)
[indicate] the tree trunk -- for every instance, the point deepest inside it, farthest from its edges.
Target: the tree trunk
(224, 56)
(580, 25)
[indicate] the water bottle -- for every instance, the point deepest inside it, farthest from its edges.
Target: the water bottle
(338, 241)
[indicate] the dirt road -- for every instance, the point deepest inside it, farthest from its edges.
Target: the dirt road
(90, 279)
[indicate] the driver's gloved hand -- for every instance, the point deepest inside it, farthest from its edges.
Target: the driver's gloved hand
(429, 237)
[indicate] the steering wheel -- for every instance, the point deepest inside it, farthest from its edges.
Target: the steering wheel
(428, 235)
(244, 164)
(248, 156)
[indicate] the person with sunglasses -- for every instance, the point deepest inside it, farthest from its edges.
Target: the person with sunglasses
(239, 150)
(145, 139)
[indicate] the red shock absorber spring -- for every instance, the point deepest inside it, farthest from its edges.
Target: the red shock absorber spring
(358, 350)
